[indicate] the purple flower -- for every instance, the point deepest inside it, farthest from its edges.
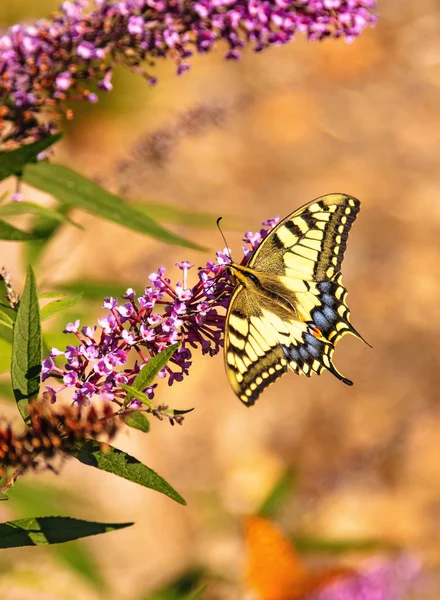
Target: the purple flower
(130, 334)
(50, 394)
(110, 303)
(59, 58)
(55, 352)
(85, 50)
(46, 368)
(382, 580)
(105, 392)
(147, 334)
(70, 378)
(89, 352)
(128, 337)
(108, 324)
(72, 327)
(63, 81)
(88, 389)
(102, 367)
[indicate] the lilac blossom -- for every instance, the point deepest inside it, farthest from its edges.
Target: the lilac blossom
(139, 327)
(381, 580)
(60, 58)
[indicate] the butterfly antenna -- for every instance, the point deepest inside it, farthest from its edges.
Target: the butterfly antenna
(223, 236)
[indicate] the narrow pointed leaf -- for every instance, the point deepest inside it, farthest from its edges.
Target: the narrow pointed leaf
(12, 234)
(30, 208)
(132, 392)
(279, 494)
(322, 545)
(45, 295)
(41, 531)
(122, 464)
(59, 306)
(73, 190)
(198, 593)
(12, 162)
(45, 228)
(137, 420)
(6, 320)
(96, 290)
(150, 370)
(27, 347)
(178, 216)
(36, 497)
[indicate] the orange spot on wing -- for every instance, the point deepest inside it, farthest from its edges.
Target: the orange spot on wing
(316, 332)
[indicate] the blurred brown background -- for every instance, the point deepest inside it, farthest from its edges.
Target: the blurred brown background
(251, 140)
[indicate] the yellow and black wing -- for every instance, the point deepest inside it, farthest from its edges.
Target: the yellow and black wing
(297, 312)
(310, 243)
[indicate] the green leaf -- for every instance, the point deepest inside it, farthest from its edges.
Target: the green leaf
(198, 593)
(80, 559)
(12, 234)
(279, 494)
(181, 588)
(149, 372)
(178, 216)
(45, 295)
(73, 190)
(134, 393)
(7, 308)
(45, 229)
(3, 497)
(30, 208)
(27, 347)
(137, 420)
(41, 531)
(5, 356)
(94, 290)
(30, 498)
(6, 333)
(6, 320)
(58, 306)
(122, 464)
(310, 544)
(12, 162)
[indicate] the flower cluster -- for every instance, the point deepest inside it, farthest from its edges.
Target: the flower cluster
(59, 59)
(144, 325)
(50, 432)
(382, 580)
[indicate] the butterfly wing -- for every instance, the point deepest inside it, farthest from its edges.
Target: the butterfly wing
(253, 356)
(310, 243)
(263, 340)
(308, 246)
(299, 261)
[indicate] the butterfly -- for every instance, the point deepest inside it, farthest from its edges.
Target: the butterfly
(274, 569)
(288, 308)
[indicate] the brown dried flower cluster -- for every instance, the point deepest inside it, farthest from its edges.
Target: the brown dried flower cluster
(51, 432)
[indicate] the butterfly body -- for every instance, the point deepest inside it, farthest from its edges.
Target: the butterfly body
(288, 309)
